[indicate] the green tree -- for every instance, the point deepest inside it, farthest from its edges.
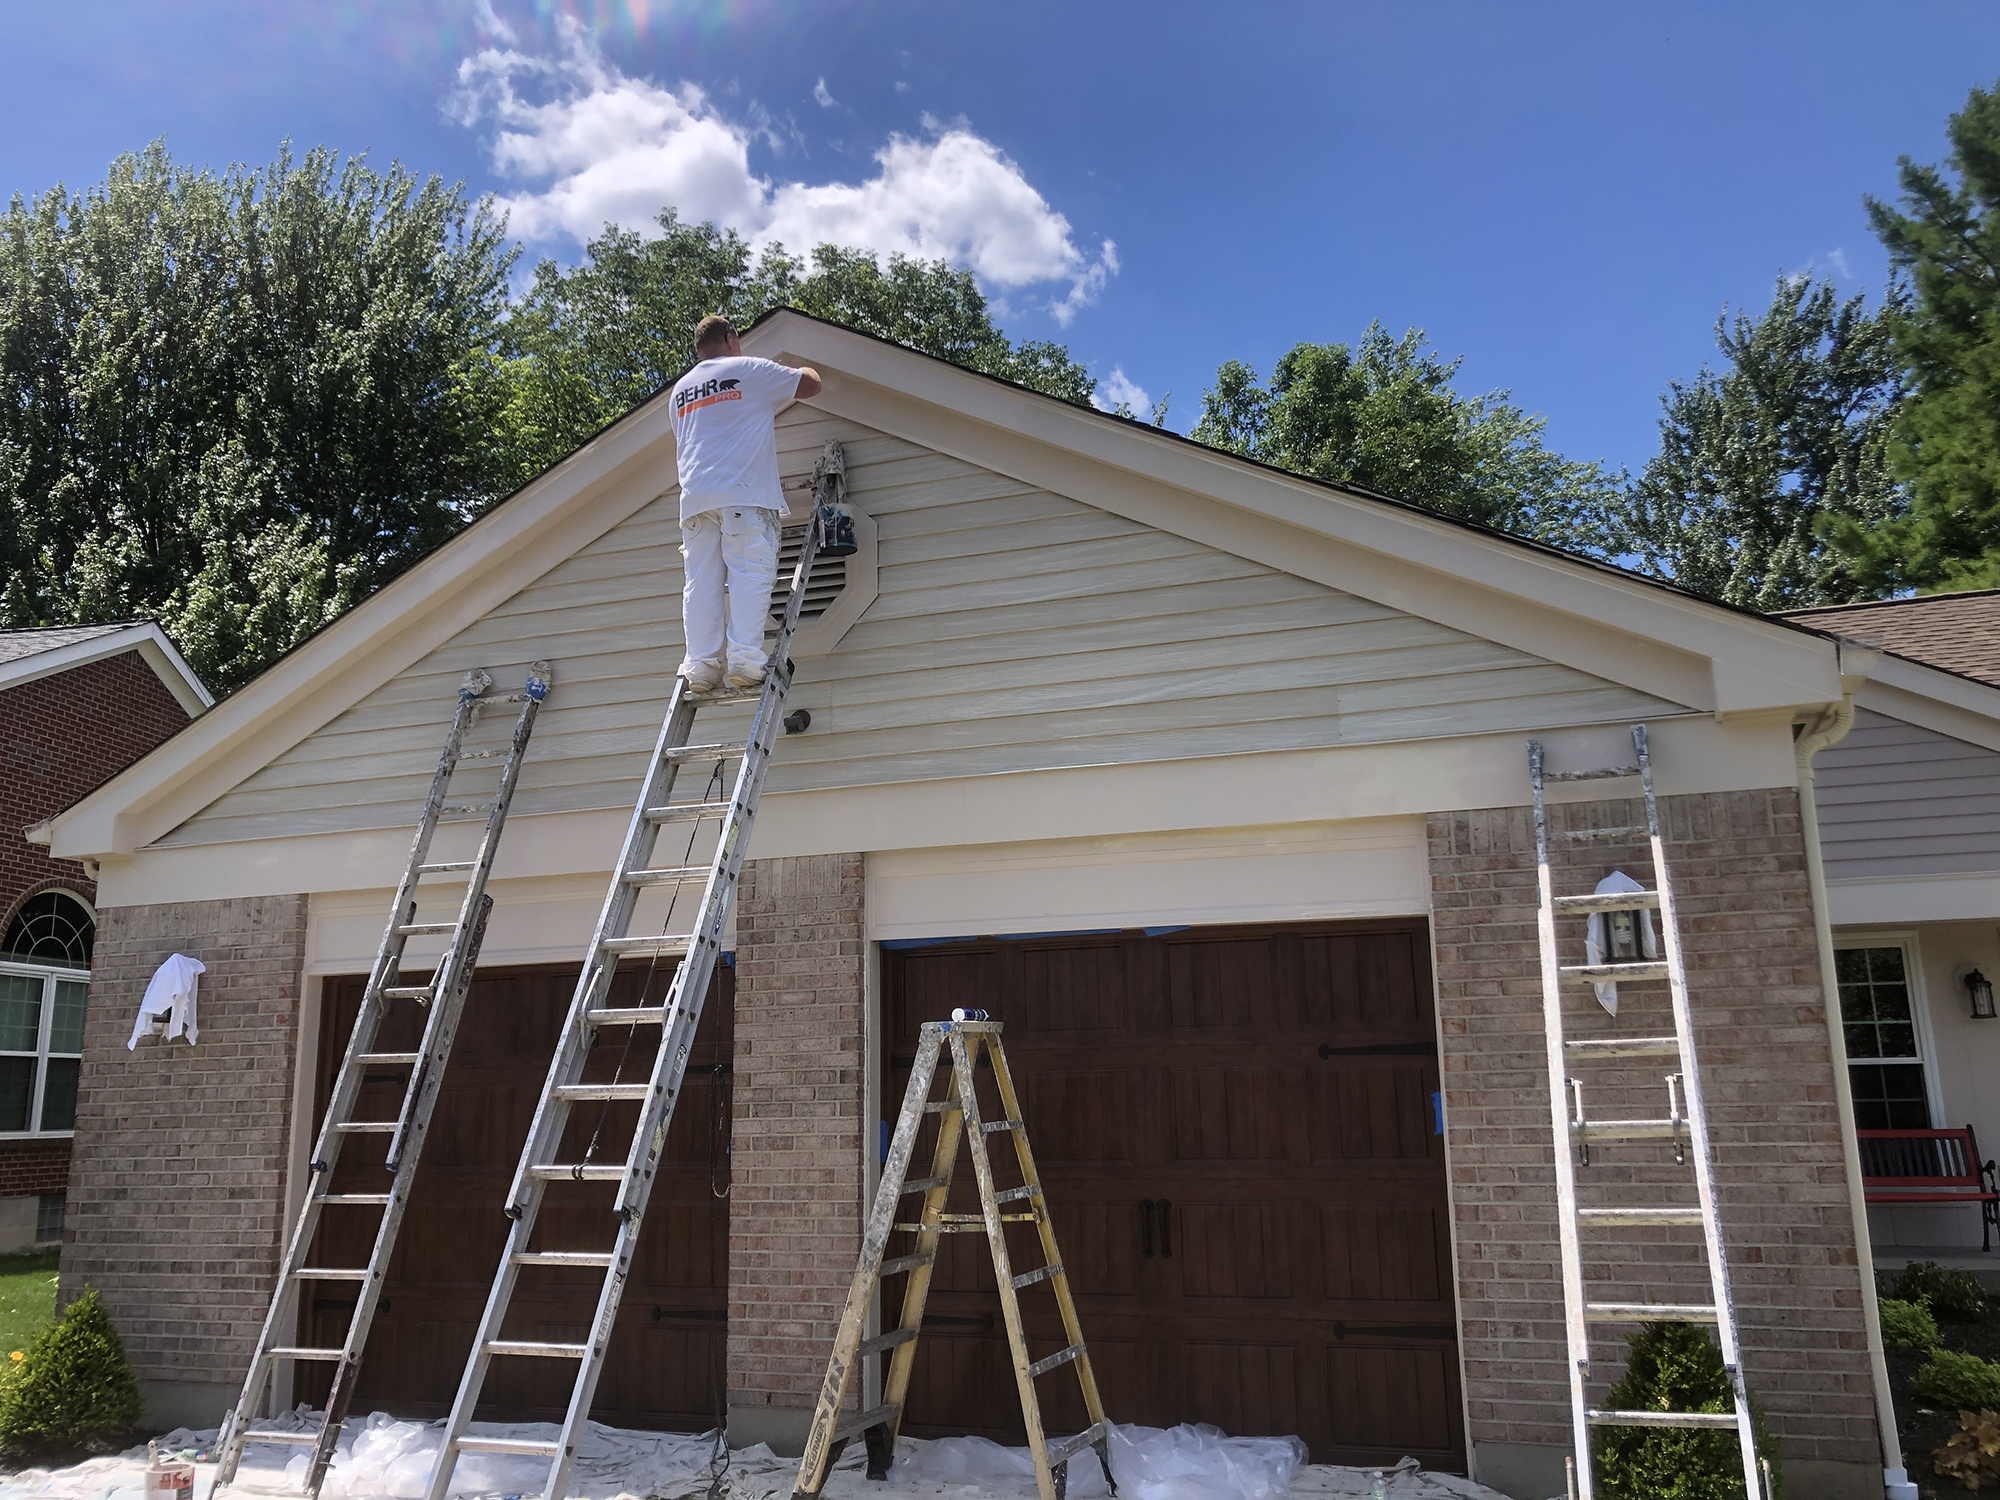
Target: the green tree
(592, 341)
(1767, 469)
(75, 1386)
(1382, 414)
(239, 402)
(1946, 238)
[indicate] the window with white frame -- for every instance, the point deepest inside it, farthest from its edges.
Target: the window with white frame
(1885, 1050)
(44, 987)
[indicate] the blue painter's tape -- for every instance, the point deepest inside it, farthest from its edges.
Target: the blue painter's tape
(729, 958)
(925, 942)
(885, 1139)
(1437, 1114)
(1022, 937)
(1163, 931)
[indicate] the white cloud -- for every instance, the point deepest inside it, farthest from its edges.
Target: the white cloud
(1121, 390)
(591, 144)
(902, 85)
(823, 96)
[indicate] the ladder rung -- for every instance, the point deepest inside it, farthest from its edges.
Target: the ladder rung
(1661, 1418)
(464, 807)
(942, 1106)
(576, 1172)
(987, 1127)
(1585, 835)
(328, 1355)
(602, 1090)
(1610, 901)
(1630, 1130)
(689, 754)
(1648, 1312)
(728, 695)
(530, 1350)
(413, 929)
(301, 1439)
(446, 866)
(678, 942)
(631, 1015)
(1601, 773)
(1629, 972)
(686, 812)
(904, 1263)
(887, 1340)
(386, 1059)
(482, 754)
(1043, 1273)
(923, 1184)
(598, 1258)
(1638, 1215)
(528, 1447)
(332, 1273)
(670, 875)
(1068, 1448)
(366, 1127)
(378, 1200)
(407, 992)
(965, 1224)
(1060, 1357)
(861, 1421)
(1015, 1195)
(1637, 1046)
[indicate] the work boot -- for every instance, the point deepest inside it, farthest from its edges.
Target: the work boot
(702, 676)
(743, 675)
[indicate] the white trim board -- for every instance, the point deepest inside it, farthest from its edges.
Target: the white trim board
(1912, 898)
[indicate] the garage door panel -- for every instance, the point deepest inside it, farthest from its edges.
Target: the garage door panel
(1392, 1401)
(1233, 1250)
(1079, 1118)
(1085, 991)
(1386, 1255)
(1373, 1109)
(1246, 1389)
(1100, 1244)
(1229, 1114)
(1223, 985)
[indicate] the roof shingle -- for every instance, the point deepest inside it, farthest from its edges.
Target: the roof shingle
(15, 644)
(1955, 632)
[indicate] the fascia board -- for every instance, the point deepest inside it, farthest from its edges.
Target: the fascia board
(1934, 700)
(608, 479)
(1617, 627)
(146, 638)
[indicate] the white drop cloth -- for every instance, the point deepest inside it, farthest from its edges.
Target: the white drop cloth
(170, 994)
(1597, 936)
(380, 1458)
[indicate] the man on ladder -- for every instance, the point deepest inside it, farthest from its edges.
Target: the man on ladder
(732, 510)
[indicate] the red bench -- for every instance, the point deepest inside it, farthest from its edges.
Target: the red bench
(1928, 1167)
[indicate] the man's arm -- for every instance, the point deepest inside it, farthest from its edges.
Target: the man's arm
(810, 385)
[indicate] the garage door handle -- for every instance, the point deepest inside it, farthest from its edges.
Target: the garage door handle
(1166, 1229)
(1146, 1227)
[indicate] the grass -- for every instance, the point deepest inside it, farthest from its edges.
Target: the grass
(27, 1297)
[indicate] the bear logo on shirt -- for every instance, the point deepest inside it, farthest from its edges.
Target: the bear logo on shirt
(728, 385)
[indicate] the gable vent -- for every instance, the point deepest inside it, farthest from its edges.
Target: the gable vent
(828, 582)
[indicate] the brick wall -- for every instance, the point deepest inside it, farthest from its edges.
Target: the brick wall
(177, 1193)
(1739, 869)
(795, 1164)
(29, 1168)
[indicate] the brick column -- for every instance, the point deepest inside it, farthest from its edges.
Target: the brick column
(177, 1188)
(1738, 861)
(796, 1145)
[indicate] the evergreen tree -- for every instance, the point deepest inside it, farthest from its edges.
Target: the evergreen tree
(1946, 238)
(1382, 414)
(1764, 465)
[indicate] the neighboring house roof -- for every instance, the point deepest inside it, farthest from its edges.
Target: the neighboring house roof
(1619, 626)
(1956, 632)
(26, 655)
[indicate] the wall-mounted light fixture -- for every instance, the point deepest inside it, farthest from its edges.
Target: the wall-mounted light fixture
(1979, 990)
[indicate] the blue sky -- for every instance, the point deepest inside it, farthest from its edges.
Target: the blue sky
(1566, 195)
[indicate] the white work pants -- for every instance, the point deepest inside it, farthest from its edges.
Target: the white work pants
(731, 552)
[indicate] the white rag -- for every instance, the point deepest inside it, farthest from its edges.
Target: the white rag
(1597, 936)
(170, 994)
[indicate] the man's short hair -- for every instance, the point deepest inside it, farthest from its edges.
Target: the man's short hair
(712, 332)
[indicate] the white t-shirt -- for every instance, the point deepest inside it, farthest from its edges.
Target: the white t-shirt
(724, 411)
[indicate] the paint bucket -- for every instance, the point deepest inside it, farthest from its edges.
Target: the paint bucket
(167, 1478)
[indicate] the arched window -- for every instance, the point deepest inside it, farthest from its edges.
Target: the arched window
(44, 986)
(52, 928)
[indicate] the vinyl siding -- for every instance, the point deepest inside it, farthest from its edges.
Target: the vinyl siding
(1013, 629)
(1896, 800)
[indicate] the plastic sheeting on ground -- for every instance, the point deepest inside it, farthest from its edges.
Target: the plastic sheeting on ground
(380, 1458)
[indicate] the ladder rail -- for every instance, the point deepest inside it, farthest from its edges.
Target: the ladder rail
(1696, 1110)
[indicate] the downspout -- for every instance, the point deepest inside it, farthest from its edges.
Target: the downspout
(1856, 661)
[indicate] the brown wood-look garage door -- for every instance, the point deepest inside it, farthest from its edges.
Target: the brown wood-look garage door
(665, 1368)
(1269, 1092)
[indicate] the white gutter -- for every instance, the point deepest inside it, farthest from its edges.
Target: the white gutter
(1856, 661)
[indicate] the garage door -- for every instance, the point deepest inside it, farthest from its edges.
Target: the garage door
(665, 1367)
(1237, 1132)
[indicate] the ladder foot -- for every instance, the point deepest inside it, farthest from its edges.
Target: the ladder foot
(881, 1451)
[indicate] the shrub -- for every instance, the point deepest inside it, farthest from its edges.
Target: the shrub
(74, 1386)
(1960, 1382)
(1908, 1325)
(1955, 1296)
(1971, 1456)
(1675, 1367)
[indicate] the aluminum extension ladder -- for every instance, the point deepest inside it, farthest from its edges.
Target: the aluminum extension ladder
(959, 1117)
(444, 997)
(678, 1017)
(1685, 1124)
